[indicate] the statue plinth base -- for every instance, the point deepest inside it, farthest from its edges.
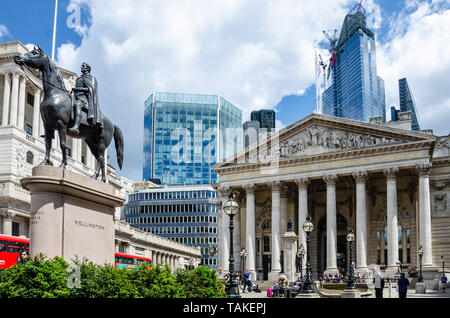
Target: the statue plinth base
(71, 215)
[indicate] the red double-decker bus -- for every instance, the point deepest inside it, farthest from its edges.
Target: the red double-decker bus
(130, 261)
(11, 247)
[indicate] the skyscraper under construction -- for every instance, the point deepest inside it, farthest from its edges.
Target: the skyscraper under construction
(354, 89)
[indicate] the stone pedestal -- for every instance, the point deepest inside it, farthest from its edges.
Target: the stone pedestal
(71, 215)
(290, 250)
(350, 293)
(421, 288)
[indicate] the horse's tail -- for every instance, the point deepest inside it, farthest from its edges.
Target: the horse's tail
(118, 140)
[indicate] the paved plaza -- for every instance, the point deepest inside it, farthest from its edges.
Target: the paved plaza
(411, 294)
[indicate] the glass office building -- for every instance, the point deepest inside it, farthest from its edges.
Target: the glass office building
(355, 91)
(185, 214)
(186, 134)
(408, 103)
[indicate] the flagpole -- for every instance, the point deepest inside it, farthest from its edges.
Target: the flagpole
(54, 30)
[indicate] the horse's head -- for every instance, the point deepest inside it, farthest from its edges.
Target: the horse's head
(33, 59)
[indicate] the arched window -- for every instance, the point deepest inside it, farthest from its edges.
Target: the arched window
(30, 157)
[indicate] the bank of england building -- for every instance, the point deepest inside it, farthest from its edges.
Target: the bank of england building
(387, 183)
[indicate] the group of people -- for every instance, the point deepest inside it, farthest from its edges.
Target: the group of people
(341, 278)
(246, 280)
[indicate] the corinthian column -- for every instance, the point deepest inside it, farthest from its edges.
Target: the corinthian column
(425, 212)
(331, 225)
(250, 233)
(361, 222)
(302, 184)
(14, 98)
(392, 218)
(21, 112)
(36, 112)
(284, 196)
(276, 237)
(224, 235)
(7, 217)
(6, 99)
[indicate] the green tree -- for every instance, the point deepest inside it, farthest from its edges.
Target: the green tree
(157, 282)
(201, 282)
(102, 281)
(38, 278)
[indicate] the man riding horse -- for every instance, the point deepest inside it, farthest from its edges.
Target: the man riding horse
(57, 106)
(86, 98)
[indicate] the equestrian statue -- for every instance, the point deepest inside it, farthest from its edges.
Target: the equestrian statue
(74, 113)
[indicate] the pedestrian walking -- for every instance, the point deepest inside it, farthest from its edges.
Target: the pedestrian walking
(403, 284)
(378, 280)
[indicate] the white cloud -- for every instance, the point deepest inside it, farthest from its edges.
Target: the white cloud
(3, 31)
(251, 52)
(419, 50)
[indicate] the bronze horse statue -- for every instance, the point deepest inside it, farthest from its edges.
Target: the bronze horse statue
(56, 112)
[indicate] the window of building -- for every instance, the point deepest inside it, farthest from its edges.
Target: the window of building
(30, 157)
(29, 129)
(15, 229)
(30, 99)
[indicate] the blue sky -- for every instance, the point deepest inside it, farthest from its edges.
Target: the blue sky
(256, 54)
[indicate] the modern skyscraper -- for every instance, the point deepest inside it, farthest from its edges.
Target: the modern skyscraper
(407, 102)
(186, 215)
(355, 91)
(186, 134)
(266, 118)
(262, 122)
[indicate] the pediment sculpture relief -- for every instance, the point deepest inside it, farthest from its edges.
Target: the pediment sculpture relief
(317, 140)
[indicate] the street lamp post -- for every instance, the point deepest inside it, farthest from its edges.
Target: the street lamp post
(443, 265)
(243, 253)
(350, 281)
(399, 267)
(231, 208)
(308, 227)
(421, 252)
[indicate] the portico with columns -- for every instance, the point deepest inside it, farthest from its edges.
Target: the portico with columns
(373, 178)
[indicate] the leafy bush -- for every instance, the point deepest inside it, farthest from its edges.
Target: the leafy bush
(42, 278)
(38, 278)
(201, 282)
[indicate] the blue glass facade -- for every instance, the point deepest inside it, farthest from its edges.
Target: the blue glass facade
(356, 92)
(408, 103)
(186, 214)
(186, 134)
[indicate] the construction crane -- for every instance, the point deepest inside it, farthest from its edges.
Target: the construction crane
(324, 67)
(320, 64)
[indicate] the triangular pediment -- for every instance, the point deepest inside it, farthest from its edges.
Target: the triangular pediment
(319, 139)
(318, 135)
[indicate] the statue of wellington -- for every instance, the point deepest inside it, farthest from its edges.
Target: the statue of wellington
(57, 106)
(86, 98)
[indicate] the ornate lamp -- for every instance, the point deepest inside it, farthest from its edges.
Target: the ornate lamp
(421, 252)
(308, 227)
(243, 253)
(231, 208)
(350, 240)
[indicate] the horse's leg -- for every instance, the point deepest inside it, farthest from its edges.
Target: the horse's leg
(97, 171)
(49, 133)
(62, 143)
(101, 158)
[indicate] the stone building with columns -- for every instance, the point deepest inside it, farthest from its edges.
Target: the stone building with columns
(388, 183)
(22, 147)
